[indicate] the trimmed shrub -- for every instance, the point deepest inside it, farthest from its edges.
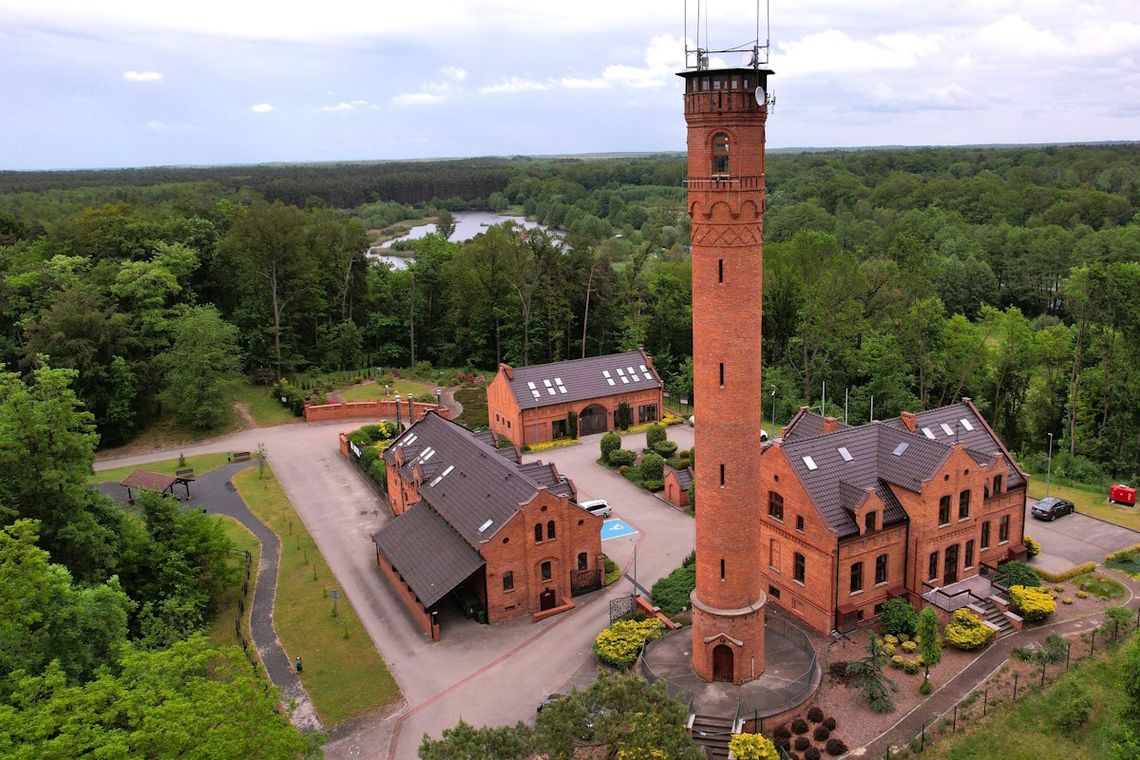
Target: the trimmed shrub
(898, 617)
(801, 743)
(655, 434)
(653, 485)
(572, 423)
(836, 747)
(829, 723)
(671, 593)
(909, 646)
(1020, 574)
(752, 747)
(683, 454)
(799, 726)
(811, 753)
(665, 448)
(782, 732)
(1033, 604)
(820, 734)
(611, 442)
(1082, 594)
(1032, 545)
(966, 631)
(653, 467)
(623, 416)
(814, 714)
(619, 644)
(622, 456)
(925, 687)
(1072, 572)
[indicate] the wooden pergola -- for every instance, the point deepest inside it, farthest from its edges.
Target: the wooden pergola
(157, 482)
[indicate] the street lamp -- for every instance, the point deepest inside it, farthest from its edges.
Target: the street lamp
(636, 588)
(1049, 470)
(399, 428)
(438, 396)
(773, 410)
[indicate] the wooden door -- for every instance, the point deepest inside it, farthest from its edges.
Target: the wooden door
(950, 568)
(546, 600)
(722, 663)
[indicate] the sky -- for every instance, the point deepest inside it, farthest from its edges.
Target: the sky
(114, 83)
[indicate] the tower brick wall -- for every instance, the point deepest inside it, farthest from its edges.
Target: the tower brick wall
(726, 204)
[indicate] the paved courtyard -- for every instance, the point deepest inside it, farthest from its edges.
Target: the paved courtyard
(1075, 538)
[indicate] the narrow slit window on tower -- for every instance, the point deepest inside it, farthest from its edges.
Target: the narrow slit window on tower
(722, 569)
(722, 374)
(720, 270)
(720, 153)
(722, 475)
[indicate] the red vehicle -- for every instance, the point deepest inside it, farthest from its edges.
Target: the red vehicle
(1122, 494)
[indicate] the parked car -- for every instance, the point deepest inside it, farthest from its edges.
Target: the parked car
(550, 699)
(1050, 508)
(597, 507)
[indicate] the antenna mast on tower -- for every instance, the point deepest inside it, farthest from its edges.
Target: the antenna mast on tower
(756, 49)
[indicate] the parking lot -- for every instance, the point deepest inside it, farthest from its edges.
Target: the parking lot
(1075, 538)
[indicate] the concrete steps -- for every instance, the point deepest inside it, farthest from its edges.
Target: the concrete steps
(996, 617)
(713, 734)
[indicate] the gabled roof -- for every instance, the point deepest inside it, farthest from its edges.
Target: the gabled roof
(506, 452)
(881, 456)
(474, 488)
(542, 385)
(683, 476)
(149, 481)
(431, 557)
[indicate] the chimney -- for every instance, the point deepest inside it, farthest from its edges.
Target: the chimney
(908, 419)
(830, 425)
(507, 370)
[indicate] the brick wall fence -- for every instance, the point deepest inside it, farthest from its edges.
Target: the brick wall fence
(341, 410)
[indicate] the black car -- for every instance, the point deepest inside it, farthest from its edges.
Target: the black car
(1050, 508)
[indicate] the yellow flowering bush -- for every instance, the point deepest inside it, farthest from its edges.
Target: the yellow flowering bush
(909, 646)
(967, 631)
(619, 644)
(1033, 604)
(752, 747)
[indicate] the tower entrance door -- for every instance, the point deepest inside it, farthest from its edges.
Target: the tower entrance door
(722, 663)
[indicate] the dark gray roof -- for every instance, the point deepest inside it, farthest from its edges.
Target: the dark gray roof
(837, 485)
(467, 482)
(507, 452)
(582, 379)
(684, 477)
(431, 557)
(980, 441)
(806, 424)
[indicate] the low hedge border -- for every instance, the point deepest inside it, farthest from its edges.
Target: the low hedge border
(1135, 548)
(1072, 572)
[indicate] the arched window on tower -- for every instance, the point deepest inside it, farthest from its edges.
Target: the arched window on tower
(720, 153)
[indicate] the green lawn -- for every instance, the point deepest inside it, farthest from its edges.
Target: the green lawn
(1090, 502)
(221, 631)
(344, 674)
(376, 390)
(474, 401)
(265, 409)
(201, 464)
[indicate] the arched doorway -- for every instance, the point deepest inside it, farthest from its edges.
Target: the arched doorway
(593, 419)
(546, 599)
(722, 663)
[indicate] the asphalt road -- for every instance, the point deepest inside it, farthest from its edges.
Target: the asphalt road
(488, 675)
(1075, 538)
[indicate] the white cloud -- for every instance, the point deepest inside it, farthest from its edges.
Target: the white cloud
(155, 125)
(261, 107)
(143, 76)
(833, 51)
(1013, 35)
(952, 97)
(453, 73)
(350, 105)
(663, 57)
(417, 98)
(515, 84)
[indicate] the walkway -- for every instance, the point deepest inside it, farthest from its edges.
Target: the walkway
(968, 679)
(214, 492)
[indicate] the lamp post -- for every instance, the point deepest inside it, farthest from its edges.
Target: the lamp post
(636, 588)
(1049, 470)
(399, 428)
(773, 410)
(438, 397)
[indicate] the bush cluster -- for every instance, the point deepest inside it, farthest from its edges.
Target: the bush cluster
(801, 743)
(1020, 574)
(836, 747)
(1033, 604)
(814, 714)
(611, 442)
(898, 618)
(1032, 545)
(655, 434)
(821, 733)
(619, 457)
(619, 644)
(671, 593)
(966, 631)
(665, 448)
(752, 747)
(799, 726)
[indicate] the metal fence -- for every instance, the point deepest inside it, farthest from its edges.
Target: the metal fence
(246, 646)
(977, 704)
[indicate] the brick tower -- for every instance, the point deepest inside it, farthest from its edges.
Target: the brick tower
(725, 111)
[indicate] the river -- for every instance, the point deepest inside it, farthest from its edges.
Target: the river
(468, 224)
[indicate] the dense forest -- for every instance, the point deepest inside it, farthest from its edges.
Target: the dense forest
(902, 279)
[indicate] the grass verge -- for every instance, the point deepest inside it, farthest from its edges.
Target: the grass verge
(221, 630)
(201, 464)
(1093, 503)
(344, 674)
(265, 409)
(1099, 585)
(375, 391)
(474, 400)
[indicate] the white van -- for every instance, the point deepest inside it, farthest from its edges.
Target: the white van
(597, 507)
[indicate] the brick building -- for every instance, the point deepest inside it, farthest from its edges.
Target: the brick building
(474, 520)
(528, 405)
(677, 483)
(853, 516)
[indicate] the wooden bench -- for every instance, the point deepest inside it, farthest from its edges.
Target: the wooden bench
(186, 474)
(239, 456)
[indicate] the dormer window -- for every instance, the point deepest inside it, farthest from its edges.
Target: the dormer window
(720, 153)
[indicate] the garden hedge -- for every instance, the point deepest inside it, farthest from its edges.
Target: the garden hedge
(967, 631)
(1033, 604)
(1072, 572)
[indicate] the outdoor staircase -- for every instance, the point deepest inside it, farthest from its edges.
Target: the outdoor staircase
(996, 617)
(712, 734)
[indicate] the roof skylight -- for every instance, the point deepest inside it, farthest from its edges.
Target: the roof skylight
(900, 449)
(946, 428)
(843, 452)
(966, 424)
(810, 463)
(928, 433)
(442, 475)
